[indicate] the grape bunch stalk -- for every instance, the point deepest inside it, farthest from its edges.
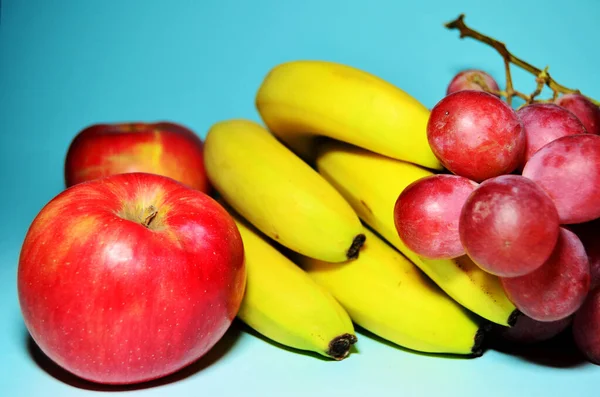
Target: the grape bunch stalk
(542, 76)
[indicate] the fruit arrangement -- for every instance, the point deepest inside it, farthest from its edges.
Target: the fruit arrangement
(351, 205)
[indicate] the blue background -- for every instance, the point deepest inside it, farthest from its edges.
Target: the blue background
(67, 64)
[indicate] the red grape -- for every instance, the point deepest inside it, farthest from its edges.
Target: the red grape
(476, 135)
(545, 122)
(426, 215)
(586, 327)
(584, 109)
(557, 288)
(472, 79)
(568, 169)
(589, 234)
(528, 330)
(509, 226)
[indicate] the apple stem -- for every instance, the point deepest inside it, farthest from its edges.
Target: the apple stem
(149, 215)
(542, 76)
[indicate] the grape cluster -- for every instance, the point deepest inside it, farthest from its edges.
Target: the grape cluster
(520, 195)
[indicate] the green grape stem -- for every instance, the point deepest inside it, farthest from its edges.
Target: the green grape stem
(542, 76)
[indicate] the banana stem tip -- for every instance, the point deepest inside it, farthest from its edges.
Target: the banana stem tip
(514, 317)
(477, 349)
(355, 247)
(339, 347)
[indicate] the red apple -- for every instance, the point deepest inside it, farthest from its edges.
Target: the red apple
(130, 277)
(161, 148)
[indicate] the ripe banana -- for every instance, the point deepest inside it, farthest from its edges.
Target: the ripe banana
(386, 294)
(371, 183)
(285, 305)
(280, 194)
(303, 99)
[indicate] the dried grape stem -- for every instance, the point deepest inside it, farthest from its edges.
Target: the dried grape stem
(510, 92)
(541, 75)
(541, 81)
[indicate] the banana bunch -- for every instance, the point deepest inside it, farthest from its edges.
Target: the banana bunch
(279, 193)
(282, 303)
(302, 100)
(384, 293)
(313, 193)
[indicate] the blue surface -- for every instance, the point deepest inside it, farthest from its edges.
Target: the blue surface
(67, 64)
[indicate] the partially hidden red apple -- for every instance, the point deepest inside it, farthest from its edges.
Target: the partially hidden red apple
(130, 277)
(162, 148)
